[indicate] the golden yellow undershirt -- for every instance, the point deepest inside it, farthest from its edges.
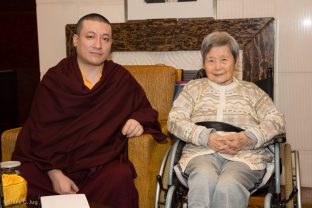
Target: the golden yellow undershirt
(86, 82)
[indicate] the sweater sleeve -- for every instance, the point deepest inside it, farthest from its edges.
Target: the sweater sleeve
(271, 121)
(179, 120)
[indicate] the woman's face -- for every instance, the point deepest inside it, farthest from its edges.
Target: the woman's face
(219, 65)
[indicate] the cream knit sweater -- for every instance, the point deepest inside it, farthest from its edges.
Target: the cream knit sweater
(239, 103)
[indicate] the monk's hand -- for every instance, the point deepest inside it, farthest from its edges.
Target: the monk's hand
(132, 128)
(61, 183)
(235, 142)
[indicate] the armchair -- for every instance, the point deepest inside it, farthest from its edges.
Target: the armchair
(145, 153)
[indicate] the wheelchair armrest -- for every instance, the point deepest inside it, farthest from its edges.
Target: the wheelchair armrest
(280, 138)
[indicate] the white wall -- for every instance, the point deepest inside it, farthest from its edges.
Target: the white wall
(53, 15)
(293, 52)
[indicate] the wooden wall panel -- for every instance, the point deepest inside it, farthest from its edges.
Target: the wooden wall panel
(254, 35)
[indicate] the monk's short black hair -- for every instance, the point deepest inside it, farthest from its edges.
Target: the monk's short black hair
(91, 16)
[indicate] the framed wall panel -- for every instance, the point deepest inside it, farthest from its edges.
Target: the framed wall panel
(145, 9)
(255, 37)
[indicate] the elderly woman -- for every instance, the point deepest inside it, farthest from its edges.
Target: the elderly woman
(223, 167)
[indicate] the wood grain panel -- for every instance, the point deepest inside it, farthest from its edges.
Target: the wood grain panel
(254, 35)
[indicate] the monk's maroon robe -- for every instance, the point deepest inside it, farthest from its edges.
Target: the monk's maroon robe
(78, 131)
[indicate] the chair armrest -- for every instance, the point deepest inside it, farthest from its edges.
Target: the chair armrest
(146, 155)
(8, 140)
(280, 138)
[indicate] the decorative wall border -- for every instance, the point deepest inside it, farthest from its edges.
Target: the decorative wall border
(140, 9)
(254, 35)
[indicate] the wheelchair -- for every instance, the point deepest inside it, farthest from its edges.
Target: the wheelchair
(171, 190)
(174, 195)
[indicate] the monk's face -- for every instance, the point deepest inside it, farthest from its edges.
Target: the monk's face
(219, 64)
(93, 44)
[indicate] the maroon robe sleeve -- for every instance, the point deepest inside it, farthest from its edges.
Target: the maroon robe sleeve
(144, 114)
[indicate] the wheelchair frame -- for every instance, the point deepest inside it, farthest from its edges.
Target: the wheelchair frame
(273, 197)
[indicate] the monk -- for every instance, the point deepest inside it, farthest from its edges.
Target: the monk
(84, 111)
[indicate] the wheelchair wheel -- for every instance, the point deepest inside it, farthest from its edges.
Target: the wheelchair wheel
(162, 180)
(170, 199)
(165, 186)
(288, 174)
(176, 197)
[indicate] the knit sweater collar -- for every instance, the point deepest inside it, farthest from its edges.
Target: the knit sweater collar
(229, 86)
